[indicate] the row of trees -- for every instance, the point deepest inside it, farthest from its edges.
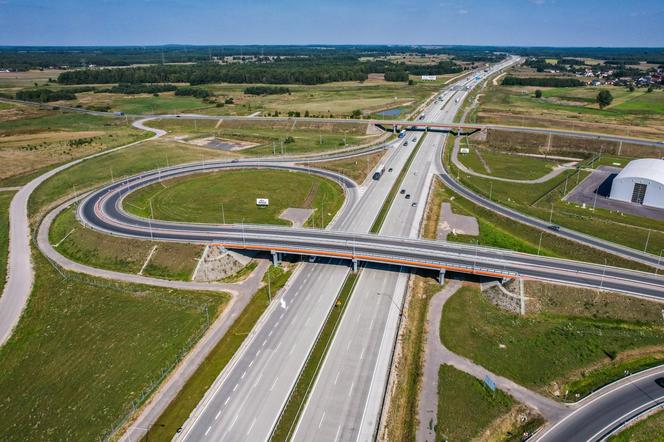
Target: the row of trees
(44, 95)
(266, 90)
(133, 89)
(541, 81)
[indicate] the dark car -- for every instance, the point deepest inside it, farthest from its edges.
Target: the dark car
(554, 227)
(414, 204)
(660, 382)
(402, 191)
(389, 170)
(408, 196)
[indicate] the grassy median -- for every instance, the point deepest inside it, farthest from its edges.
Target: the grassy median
(298, 396)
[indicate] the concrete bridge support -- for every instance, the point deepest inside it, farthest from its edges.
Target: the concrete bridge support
(354, 261)
(276, 258)
(441, 277)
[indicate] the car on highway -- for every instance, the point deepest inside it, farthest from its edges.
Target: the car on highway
(389, 170)
(554, 227)
(414, 204)
(312, 259)
(414, 139)
(402, 191)
(660, 382)
(405, 143)
(408, 196)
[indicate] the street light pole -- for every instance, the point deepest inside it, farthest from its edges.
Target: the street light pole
(647, 240)
(659, 260)
(540, 243)
(601, 284)
(223, 215)
(150, 221)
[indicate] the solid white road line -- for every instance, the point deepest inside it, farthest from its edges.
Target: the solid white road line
(274, 383)
(321, 420)
(251, 427)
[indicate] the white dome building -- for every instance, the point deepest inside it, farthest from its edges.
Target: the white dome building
(641, 182)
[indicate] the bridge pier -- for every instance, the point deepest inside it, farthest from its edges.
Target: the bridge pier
(276, 258)
(441, 277)
(354, 261)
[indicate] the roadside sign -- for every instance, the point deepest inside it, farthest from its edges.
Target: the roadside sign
(489, 383)
(262, 202)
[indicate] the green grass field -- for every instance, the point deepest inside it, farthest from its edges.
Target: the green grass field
(199, 198)
(122, 163)
(650, 429)
(166, 102)
(267, 137)
(544, 201)
(499, 231)
(356, 168)
(34, 139)
(636, 113)
(5, 199)
(504, 165)
(80, 244)
(465, 406)
(86, 348)
(195, 388)
(538, 348)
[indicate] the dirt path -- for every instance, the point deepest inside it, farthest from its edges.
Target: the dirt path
(437, 355)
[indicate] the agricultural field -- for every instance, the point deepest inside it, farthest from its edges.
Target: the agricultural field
(260, 138)
(32, 139)
(638, 113)
(82, 382)
(558, 347)
(199, 198)
(80, 244)
(11, 81)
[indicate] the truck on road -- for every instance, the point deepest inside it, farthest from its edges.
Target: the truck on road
(402, 133)
(379, 172)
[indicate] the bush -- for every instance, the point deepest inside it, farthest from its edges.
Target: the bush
(44, 95)
(194, 92)
(538, 93)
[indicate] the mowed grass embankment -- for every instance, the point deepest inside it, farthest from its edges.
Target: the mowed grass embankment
(86, 349)
(543, 350)
(198, 384)
(5, 200)
(467, 409)
(505, 165)
(199, 198)
(125, 162)
(650, 429)
(33, 139)
(500, 231)
(96, 249)
(268, 138)
(544, 201)
(356, 168)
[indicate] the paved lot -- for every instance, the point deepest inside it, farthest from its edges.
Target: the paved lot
(594, 191)
(297, 216)
(459, 224)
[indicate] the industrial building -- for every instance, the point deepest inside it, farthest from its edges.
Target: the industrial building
(640, 182)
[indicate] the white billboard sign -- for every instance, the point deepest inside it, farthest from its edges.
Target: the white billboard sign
(262, 202)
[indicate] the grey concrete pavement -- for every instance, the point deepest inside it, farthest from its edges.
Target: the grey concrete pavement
(427, 410)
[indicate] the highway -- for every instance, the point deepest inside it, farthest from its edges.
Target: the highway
(607, 410)
(347, 397)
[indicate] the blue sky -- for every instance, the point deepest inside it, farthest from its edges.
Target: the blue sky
(498, 22)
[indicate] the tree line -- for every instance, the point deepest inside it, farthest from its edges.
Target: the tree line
(541, 81)
(266, 90)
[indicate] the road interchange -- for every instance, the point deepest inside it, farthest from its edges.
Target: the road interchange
(361, 247)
